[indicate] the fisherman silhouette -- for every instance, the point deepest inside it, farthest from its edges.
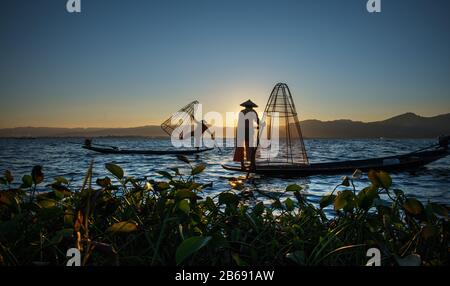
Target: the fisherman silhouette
(201, 128)
(246, 147)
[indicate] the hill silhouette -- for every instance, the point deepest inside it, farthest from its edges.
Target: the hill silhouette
(408, 125)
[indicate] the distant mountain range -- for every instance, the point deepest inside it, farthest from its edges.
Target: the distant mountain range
(408, 125)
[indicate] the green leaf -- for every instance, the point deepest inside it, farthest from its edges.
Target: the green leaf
(385, 179)
(413, 206)
(210, 205)
(293, 188)
(68, 218)
(366, 197)
(238, 260)
(165, 174)
(277, 204)
(258, 209)
(373, 178)
(326, 201)
(37, 175)
(185, 194)
(183, 159)
(184, 206)
(161, 186)
(190, 246)
(289, 204)
(61, 194)
(123, 227)
(429, 231)
(67, 232)
(61, 180)
(105, 182)
(115, 170)
(410, 260)
(56, 239)
(46, 203)
(297, 256)
(228, 198)
(343, 199)
(377, 202)
(6, 198)
(27, 181)
(439, 209)
(198, 169)
(381, 178)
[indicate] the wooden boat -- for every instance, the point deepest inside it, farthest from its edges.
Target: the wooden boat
(292, 160)
(391, 163)
(167, 126)
(113, 150)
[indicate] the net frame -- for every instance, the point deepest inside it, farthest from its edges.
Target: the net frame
(280, 108)
(168, 126)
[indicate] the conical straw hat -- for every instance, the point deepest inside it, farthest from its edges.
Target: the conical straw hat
(249, 103)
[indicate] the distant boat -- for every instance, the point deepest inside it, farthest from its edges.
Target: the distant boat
(25, 138)
(167, 126)
(115, 150)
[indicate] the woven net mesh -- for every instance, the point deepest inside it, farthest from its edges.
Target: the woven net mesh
(280, 121)
(175, 120)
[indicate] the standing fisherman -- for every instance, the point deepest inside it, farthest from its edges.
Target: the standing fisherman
(247, 139)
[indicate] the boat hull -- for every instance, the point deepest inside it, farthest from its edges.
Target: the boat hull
(392, 163)
(145, 152)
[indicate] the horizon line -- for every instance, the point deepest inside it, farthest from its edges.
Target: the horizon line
(148, 125)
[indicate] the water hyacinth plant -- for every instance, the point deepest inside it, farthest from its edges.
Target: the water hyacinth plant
(126, 221)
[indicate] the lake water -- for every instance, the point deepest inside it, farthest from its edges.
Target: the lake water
(65, 157)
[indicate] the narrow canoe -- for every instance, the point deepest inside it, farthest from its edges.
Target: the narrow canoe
(110, 150)
(391, 163)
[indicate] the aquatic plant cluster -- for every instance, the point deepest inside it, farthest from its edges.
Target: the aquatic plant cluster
(172, 221)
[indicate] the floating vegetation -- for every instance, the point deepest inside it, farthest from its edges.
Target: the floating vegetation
(171, 221)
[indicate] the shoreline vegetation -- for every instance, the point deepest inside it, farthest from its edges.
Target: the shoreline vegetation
(120, 220)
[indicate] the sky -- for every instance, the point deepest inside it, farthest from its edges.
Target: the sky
(131, 63)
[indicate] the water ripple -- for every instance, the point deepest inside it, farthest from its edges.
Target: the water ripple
(62, 157)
